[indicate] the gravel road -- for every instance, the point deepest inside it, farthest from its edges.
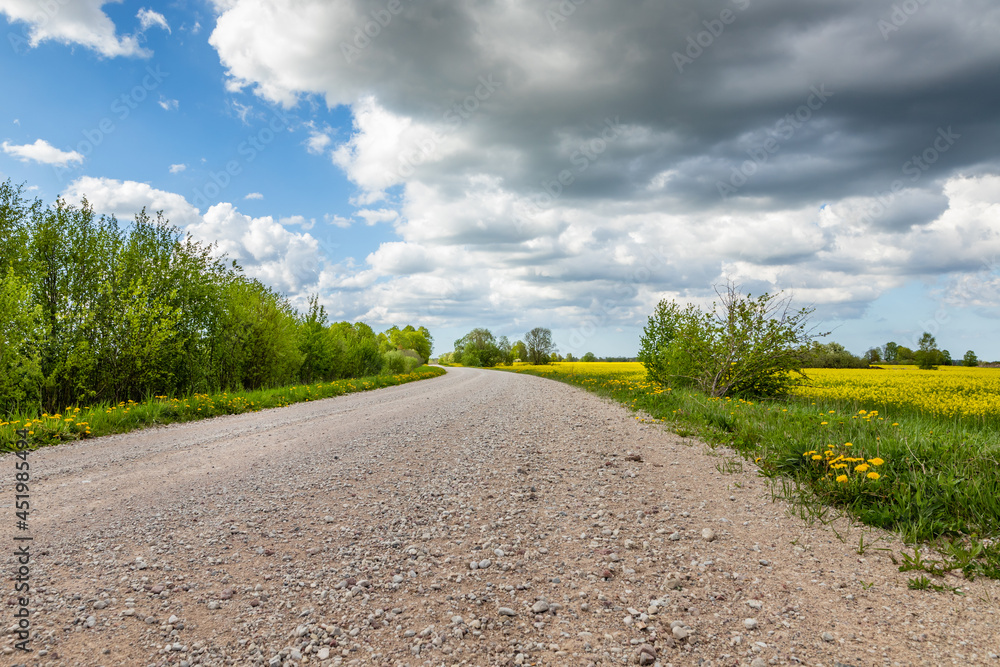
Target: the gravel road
(479, 518)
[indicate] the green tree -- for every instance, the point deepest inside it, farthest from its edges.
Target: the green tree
(589, 356)
(741, 345)
(927, 355)
(540, 346)
(20, 329)
(519, 351)
(478, 348)
(890, 352)
(873, 355)
(970, 359)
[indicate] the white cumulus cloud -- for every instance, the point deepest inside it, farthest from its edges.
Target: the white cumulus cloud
(70, 22)
(43, 152)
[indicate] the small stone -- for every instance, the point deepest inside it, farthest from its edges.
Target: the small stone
(680, 632)
(756, 604)
(172, 620)
(646, 655)
(506, 611)
(758, 662)
(324, 654)
(673, 584)
(675, 536)
(485, 563)
(540, 607)
(101, 604)
(708, 535)
(329, 519)
(750, 623)
(214, 604)
(91, 621)
(827, 637)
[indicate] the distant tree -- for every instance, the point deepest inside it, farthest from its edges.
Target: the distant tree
(873, 355)
(946, 359)
(540, 346)
(904, 355)
(569, 357)
(589, 356)
(927, 355)
(519, 351)
(506, 351)
(830, 355)
(478, 348)
(970, 359)
(890, 352)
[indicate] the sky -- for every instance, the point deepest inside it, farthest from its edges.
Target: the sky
(522, 163)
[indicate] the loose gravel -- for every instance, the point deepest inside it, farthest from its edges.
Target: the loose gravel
(479, 518)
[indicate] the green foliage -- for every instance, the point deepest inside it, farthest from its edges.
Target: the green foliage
(831, 355)
(927, 356)
(741, 345)
(970, 359)
(20, 372)
(890, 352)
(539, 345)
(589, 356)
(479, 349)
(519, 351)
(97, 311)
(396, 362)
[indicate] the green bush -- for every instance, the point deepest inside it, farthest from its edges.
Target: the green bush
(741, 345)
(398, 363)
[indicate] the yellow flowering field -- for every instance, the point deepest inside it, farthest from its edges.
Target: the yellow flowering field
(950, 391)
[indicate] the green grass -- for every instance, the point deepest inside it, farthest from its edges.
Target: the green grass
(939, 481)
(77, 423)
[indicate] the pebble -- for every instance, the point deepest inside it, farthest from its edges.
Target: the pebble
(827, 637)
(506, 611)
(540, 607)
(750, 623)
(708, 535)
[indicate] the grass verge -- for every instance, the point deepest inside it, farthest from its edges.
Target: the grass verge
(77, 423)
(935, 481)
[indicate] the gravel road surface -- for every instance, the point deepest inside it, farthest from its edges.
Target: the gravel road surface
(479, 518)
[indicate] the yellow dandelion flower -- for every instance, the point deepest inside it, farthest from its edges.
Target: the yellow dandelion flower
(876, 461)
(861, 468)
(873, 475)
(842, 479)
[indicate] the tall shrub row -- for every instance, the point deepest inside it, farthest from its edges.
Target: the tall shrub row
(93, 310)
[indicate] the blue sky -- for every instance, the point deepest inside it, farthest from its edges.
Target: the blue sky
(524, 164)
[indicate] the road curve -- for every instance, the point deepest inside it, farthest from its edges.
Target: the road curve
(478, 518)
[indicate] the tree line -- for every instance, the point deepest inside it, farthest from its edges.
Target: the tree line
(92, 310)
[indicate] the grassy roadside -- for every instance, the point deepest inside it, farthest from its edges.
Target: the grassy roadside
(933, 480)
(77, 423)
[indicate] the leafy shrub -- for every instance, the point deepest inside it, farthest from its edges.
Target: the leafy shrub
(398, 363)
(741, 345)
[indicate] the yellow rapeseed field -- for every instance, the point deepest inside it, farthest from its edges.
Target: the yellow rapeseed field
(950, 391)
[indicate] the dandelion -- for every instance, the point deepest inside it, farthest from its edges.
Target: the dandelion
(861, 468)
(873, 475)
(823, 423)
(842, 479)
(876, 461)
